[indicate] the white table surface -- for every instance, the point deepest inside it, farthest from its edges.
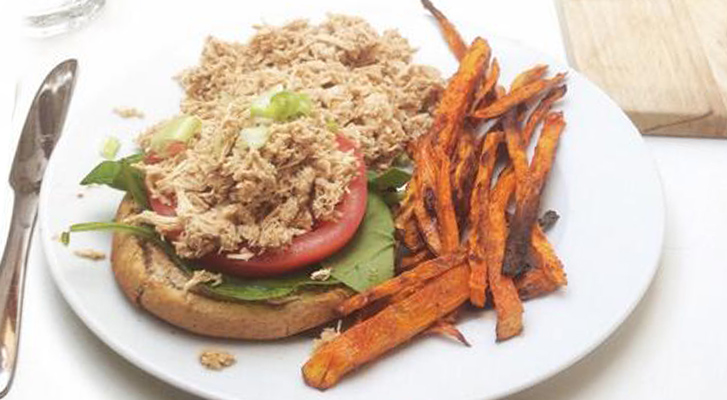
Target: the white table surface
(674, 346)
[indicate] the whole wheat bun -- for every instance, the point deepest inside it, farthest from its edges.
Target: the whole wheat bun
(151, 281)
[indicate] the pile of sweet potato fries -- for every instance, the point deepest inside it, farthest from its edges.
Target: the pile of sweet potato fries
(468, 232)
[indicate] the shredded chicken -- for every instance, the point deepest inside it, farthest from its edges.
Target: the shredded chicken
(327, 335)
(90, 254)
(230, 196)
(322, 274)
(216, 360)
(202, 276)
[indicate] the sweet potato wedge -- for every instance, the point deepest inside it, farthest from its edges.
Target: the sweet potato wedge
(407, 231)
(479, 212)
(486, 90)
(419, 274)
(410, 261)
(464, 169)
(529, 187)
(504, 294)
(392, 326)
(451, 36)
(518, 235)
(547, 273)
(517, 97)
(446, 217)
(454, 105)
(447, 329)
(425, 198)
(529, 76)
(543, 108)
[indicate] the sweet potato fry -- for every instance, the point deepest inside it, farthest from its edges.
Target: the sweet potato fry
(446, 217)
(392, 326)
(486, 89)
(546, 148)
(448, 329)
(479, 212)
(543, 107)
(518, 96)
(529, 187)
(547, 273)
(407, 231)
(419, 274)
(464, 169)
(425, 198)
(543, 257)
(534, 283)
(514, 251)
(453, 38)
(504, 294)
(454, 105)
(529, 76)
(410, 261)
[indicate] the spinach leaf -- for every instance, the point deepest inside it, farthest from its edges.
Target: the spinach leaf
(231, 288)
(389, 180)
(264, 289)
(388, 184)
(120, 175)
(368, 259)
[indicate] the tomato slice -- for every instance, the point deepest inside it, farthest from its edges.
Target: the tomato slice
(323, 241)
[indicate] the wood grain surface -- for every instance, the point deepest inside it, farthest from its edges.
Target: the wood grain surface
(663, 61)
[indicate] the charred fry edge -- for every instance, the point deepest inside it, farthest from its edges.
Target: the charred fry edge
(504, 294)
(528, 199)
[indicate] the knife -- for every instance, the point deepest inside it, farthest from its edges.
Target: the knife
(40, 134)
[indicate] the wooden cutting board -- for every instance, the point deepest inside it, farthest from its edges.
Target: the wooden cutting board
(663, 61)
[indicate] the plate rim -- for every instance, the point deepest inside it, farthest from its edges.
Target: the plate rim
(55, 264)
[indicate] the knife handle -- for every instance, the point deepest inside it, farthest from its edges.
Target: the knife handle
(12, 279)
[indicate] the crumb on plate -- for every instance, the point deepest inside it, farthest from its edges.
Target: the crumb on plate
(128, 112)
(216, 360)
(327, 335)
(90, 254)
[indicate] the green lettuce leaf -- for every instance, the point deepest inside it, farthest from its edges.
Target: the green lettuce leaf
(368, 259)
(120, 175)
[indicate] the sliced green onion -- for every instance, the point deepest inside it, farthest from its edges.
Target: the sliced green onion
(254, 137)
(180, 129)
(261, 104)
(65, 238)
(283, 106)
(332, 125)
(110, 148)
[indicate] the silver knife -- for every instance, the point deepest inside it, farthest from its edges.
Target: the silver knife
(41, 131)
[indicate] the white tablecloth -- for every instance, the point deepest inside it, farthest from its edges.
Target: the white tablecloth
(674, 346)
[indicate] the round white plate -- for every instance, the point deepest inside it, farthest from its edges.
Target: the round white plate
(604, 185)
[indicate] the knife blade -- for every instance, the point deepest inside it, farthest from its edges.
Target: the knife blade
(40, 134)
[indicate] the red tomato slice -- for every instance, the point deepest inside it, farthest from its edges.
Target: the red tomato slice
(322, 242)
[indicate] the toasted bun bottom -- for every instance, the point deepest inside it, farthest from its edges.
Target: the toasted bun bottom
(151, 281)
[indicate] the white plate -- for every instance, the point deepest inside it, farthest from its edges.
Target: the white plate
(604, 185)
